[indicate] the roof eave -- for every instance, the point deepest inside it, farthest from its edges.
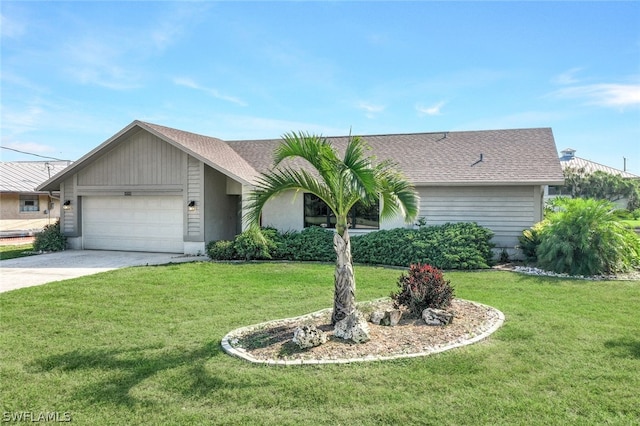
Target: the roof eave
(31, 191)
(491, 183)
(194, 154)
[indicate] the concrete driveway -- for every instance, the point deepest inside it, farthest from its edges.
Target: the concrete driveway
(44, 268)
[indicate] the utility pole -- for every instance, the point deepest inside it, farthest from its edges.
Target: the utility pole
(48, 166)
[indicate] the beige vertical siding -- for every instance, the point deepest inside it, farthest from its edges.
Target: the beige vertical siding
(68, 218)
(506, 210)
(140, 159)
(195, 184)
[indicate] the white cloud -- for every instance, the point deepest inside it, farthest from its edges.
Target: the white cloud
(171, 25)
(115, 57)
(41, 120)
(567, 77)
(11, 79)
(187, 82)
(11, 28)
(32, 147)
(371, 110)
(95, 61)
(431, 110)
(26, 119)
(603, 94)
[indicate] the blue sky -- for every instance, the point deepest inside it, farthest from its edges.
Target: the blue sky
(75, 73)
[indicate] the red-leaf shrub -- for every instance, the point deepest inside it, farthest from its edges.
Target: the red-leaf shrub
(422, 287)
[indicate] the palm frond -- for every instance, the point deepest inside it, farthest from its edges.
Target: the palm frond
(271, 184)
(359, 174)
(316, 150)
(397, 194)
(340, 183)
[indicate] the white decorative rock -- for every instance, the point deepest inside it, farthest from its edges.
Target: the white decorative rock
(437, 316)
(308, 337)
(376, 317)
(391, 318)
(353, 327)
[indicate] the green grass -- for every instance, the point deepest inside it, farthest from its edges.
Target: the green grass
(142, 346)
(13, 251)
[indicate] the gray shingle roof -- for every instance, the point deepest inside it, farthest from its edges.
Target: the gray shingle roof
(212, 151)
(508, 156)
(25, 176)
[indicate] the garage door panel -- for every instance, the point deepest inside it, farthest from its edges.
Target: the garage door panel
(133, 223)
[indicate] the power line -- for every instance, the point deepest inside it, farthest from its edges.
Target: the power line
(30, 153)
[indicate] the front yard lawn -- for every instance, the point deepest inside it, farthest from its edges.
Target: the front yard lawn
(142, 346)
(18, 250)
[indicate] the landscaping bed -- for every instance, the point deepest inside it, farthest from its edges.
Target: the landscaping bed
(272, 341)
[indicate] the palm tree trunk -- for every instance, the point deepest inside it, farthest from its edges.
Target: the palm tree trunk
(344, 301)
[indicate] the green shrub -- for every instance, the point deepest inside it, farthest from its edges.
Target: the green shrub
(583, 238)
(622, 214)
(253, 244)
(504, 256)
(384, 247)
(448, 246)
(310, 244)
(221, 250)
(422, 287)
(530, 240)
(50, 239)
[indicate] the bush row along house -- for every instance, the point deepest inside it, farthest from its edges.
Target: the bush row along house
(155, 188)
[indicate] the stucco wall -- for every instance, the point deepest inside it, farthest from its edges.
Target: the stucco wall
(285, 212)
(11, 218)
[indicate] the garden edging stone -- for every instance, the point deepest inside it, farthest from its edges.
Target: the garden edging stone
(227, 347)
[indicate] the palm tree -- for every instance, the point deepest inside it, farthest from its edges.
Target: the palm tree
(340, 183)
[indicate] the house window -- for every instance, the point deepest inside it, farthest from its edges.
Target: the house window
(316, 213)
(29, 203)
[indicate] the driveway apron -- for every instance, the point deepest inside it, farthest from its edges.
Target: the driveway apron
(44, 268)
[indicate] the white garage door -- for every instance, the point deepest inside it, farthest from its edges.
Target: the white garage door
(151, 224)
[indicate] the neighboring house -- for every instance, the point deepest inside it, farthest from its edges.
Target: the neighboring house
(24, 209)
(154, 188)
(568, 160)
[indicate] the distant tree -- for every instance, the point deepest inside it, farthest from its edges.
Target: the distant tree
(602, 186)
